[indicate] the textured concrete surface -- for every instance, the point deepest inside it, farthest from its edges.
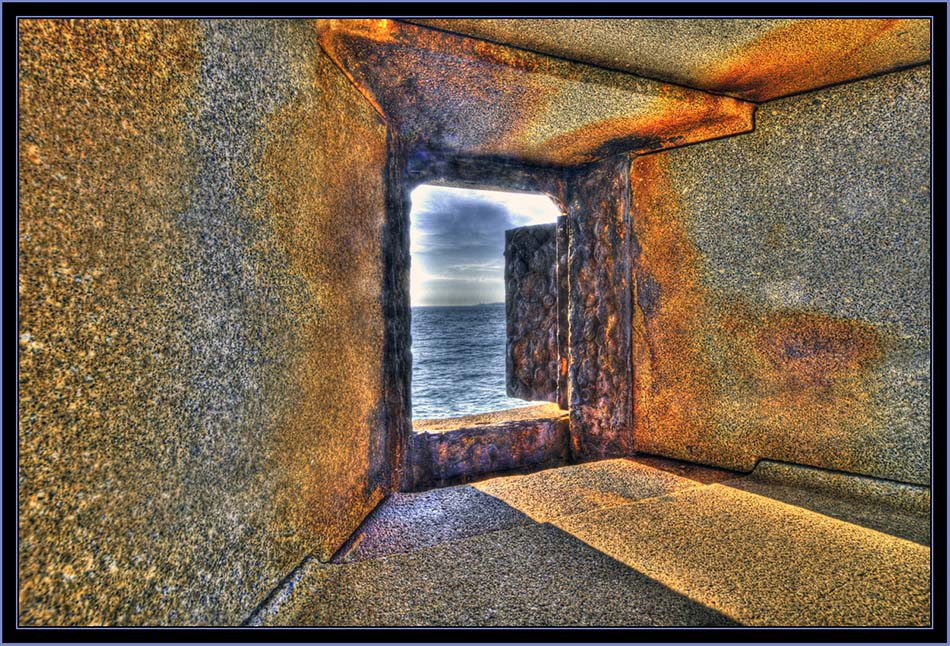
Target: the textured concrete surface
(695, 472)
(407, 522)
(470, 97)
(599, 304)
(446, 168)
(899, 495)
(580, 488)
(535, 575)
(783, 287)
(866, 511)
(532, 364)
(561, 245)
(630, 545)
(395, 412)
(459, 450)
(750, 58)
(200, 327)
(493, 418)
(763, 562)
(214, 357)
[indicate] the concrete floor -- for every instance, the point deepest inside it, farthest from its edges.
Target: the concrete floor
(625, 542)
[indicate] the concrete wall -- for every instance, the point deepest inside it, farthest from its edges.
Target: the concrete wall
(782, 286)
(201, 205)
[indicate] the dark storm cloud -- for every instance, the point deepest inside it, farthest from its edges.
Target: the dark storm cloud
(458, 242)
(460, 234)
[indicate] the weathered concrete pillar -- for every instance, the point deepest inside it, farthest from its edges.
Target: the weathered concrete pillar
(395, 411)
(600, 371)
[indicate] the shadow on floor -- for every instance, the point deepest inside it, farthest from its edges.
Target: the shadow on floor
(513, 572)
(619, 543)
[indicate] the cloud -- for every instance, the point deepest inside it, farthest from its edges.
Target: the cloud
(458, 242)
(525, 208)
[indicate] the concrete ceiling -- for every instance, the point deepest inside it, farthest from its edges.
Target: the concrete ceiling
(752, 59)
(570, 91)
(475, 98)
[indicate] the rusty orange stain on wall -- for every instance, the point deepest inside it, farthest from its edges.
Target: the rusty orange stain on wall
(812, 53)
(475, 97)
(333, 32)
(671, 380)
(722, 380)
(811, 351)
(324, 157)
(673, 119)
(417, 76)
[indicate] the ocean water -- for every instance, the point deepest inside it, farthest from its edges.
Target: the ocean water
(458, 361)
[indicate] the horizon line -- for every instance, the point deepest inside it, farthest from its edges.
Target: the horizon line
(460, 305)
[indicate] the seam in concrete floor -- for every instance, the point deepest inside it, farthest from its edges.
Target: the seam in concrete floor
(340, 558)
(741, 483)
(527, 575)
(834, 500)
(781, 564)
(732, 483)
(856, 487)
(281, 594)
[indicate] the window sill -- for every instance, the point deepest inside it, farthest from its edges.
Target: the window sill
(495, 418)
(455, 450)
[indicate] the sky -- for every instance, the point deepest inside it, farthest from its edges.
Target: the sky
(457, 241)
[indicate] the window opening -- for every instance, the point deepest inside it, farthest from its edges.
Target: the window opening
(457, 292)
